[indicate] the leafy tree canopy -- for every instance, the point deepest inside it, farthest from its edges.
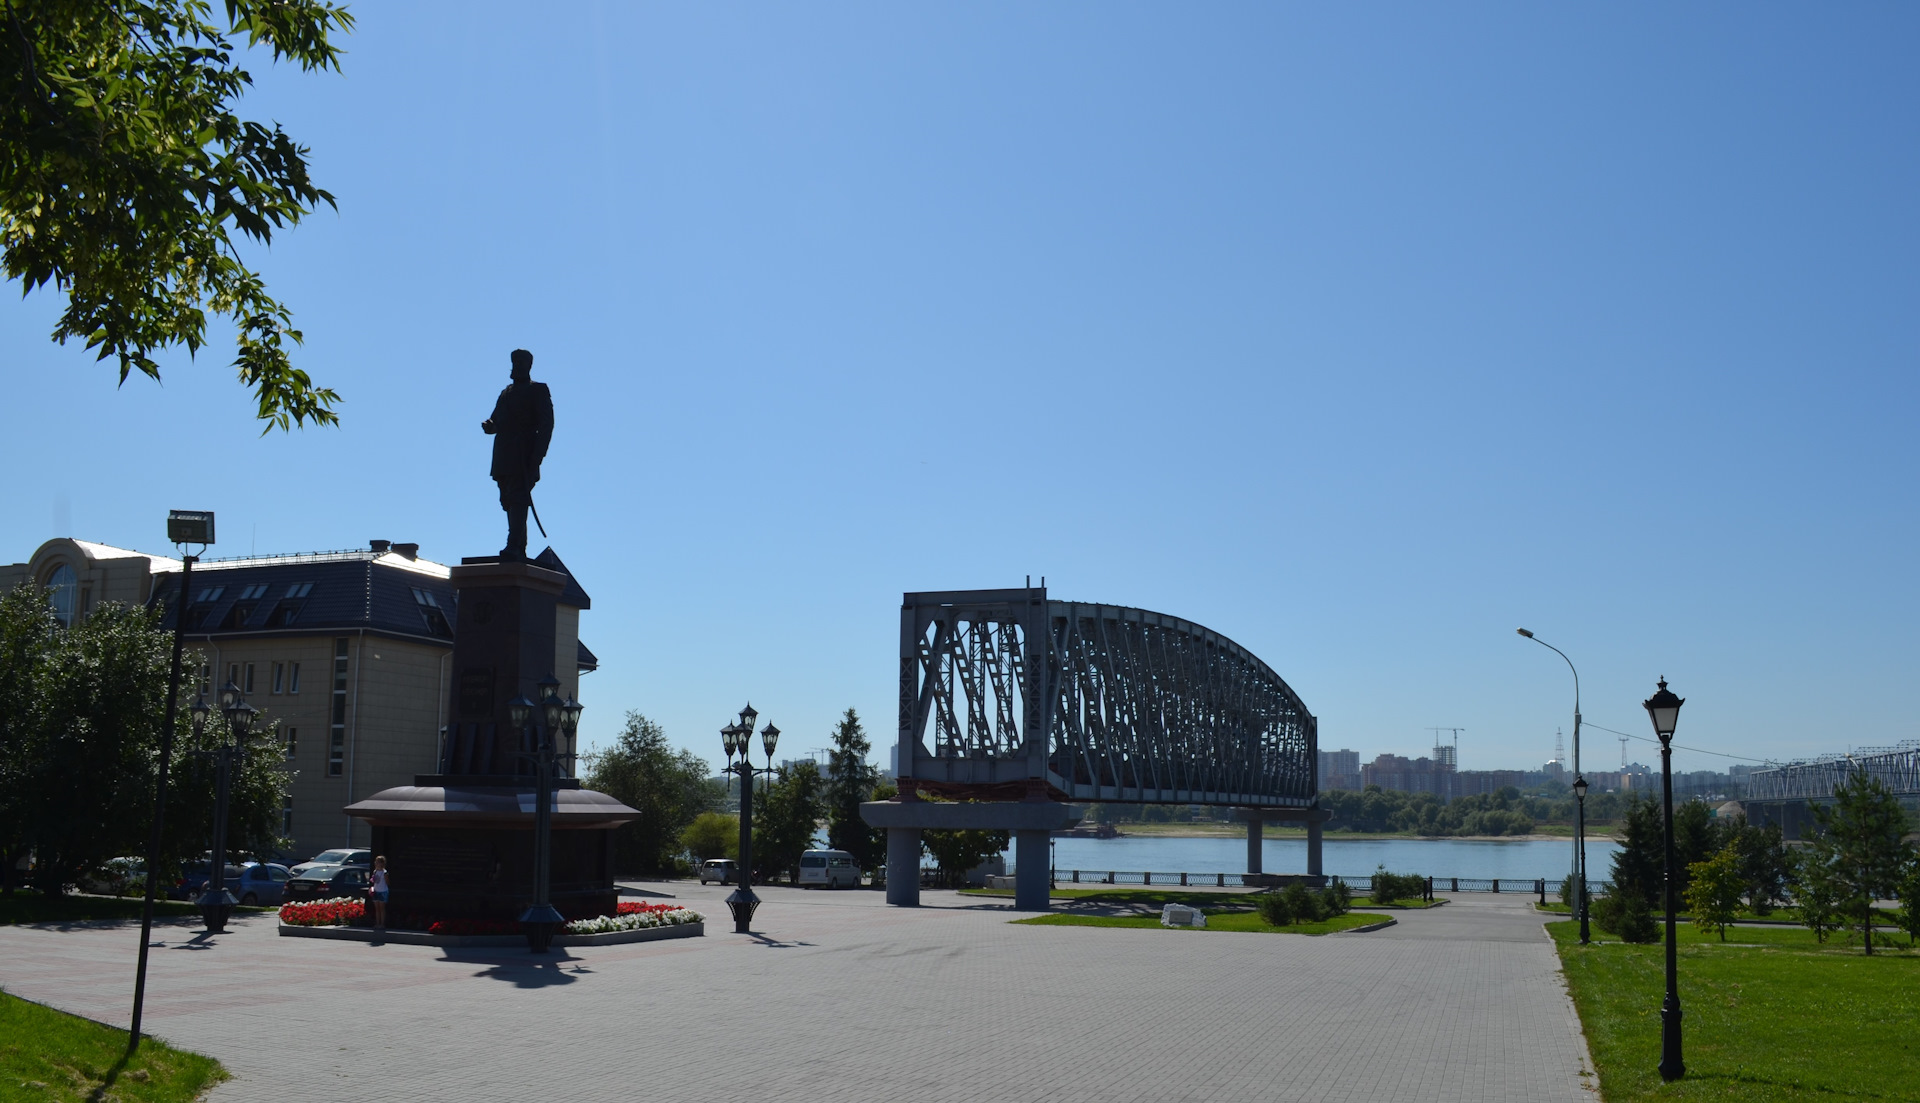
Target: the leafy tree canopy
(124, 174)
(669, 789)
(786, 816)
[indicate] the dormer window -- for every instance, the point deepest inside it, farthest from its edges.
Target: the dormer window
(244, 605)
(288, 609)
(431, 613)
(202, 605)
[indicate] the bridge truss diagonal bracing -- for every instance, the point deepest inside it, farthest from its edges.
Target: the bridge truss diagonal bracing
(1005, 694)
(1897, 767)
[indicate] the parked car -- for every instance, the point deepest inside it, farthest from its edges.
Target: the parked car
(328, 882)
(117, 877)
(194, 876)
(263, 883)
(344, 856)
(829, 869)
(724, 870)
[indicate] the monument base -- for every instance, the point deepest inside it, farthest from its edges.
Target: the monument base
(465, 851)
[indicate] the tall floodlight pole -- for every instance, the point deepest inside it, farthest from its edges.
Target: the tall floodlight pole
(184, 526)
(1579, 829)
(1664, 709)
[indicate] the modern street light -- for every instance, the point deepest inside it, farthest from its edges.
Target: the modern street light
(184, 526)
(733, 739)
(1580, 826)
(558, 718)
(1579, 831)
(216, 903)
(1664, 709)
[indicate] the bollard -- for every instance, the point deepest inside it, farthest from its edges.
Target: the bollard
(1223, 879)
(1183, 880)
(1076, 876)
(1456, 884)
(1110, 879)
(1541, 885)
(1496, 884)
(1148, 875)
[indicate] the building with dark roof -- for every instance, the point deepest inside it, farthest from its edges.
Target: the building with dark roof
(347, 651)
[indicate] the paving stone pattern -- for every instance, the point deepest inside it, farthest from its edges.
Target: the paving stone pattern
(841, 998)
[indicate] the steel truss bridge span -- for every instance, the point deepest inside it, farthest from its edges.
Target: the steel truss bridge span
(1007, 695)
(1897, 767)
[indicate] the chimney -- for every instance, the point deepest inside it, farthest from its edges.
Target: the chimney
(411, 551)
(380, 546)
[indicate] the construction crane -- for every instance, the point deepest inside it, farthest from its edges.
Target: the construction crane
(1456, 742)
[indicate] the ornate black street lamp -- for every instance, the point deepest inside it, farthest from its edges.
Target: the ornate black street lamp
(733, 739)
(541, 921)
(216, 903)
(1664, 708)
(1579, 827)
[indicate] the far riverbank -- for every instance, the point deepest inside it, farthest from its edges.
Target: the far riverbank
(1542, 832)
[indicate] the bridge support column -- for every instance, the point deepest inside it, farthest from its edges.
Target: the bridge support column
(1313, 849)
(903, 866)
(1256, 835)
(1030, 889)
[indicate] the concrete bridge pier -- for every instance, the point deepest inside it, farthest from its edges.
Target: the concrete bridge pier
(1032, 823)
(903, 866)
(1257, 820)
(1256, 839)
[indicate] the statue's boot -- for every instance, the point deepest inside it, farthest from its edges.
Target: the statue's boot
(516, 548)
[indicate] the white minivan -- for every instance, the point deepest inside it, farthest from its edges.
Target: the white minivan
(831, 868)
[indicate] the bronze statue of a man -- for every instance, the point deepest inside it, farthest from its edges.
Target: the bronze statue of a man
(521, 427)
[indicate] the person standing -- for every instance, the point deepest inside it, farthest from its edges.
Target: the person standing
(378, 894)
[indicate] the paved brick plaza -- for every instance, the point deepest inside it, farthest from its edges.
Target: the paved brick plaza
(842, 998)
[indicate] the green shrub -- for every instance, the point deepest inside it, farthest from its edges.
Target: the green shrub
(1636, 921)
(1273, 908)
(1566, 893)
(1336, 899)
(1302, 902)
(1388, 887)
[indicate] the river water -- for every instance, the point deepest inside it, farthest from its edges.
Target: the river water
(1517, 859)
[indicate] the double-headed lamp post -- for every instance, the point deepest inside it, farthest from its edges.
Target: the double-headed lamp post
(1664, 709)
(1579, 832)
(1580, 827)
(542, 920)
(216, 903)
(734, 739)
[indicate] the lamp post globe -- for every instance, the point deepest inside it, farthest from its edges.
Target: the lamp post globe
(769, 738)
(1663, 708)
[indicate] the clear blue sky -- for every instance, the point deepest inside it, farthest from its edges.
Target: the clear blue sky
(1359, 335)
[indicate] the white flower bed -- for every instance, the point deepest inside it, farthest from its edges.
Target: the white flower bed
(601, 924)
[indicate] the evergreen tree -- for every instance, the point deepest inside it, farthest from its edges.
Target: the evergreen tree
(1862, 845)
(1639, 863)
(850, 782)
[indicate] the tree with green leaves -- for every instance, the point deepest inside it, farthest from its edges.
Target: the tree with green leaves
(1862, 844)
(959, 852)
(1764, 867)
(850, 782)
(1907, 891)
(786, 817)
(668, 787)
(1815, 893)
(712, 835)
(1714, 889)
(128, 181)
(85, 710)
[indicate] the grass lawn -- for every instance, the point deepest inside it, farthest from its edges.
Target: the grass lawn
(48, 1054)
(28, 906)
(1769, 1015)
(1224, 921)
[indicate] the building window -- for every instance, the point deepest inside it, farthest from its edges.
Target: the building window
(279, 677)
(286, 817)
(202, 604)
(233, 674)
(337, 737)
(293, 677)
(61, 587)
(293, 742)
(206, 677)
(431, 613)
(247, 685)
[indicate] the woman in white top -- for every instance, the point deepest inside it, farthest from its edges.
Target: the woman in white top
(379, 893)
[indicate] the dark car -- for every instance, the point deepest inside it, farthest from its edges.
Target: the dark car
(329, 882)
(263, 883)
(193, 880)
(343, 856)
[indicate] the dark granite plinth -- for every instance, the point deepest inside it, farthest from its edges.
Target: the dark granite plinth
(503, 644)
(466, 852)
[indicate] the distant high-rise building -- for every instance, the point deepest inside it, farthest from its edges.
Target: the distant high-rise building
(1340, 769)
(1447, 758)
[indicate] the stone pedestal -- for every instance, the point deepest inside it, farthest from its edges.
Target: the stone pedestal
(459, 843)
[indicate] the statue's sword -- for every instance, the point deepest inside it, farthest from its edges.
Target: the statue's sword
(536, 516)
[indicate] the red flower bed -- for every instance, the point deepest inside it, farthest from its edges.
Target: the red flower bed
(474, 926)
(324, 913)
(641, 907)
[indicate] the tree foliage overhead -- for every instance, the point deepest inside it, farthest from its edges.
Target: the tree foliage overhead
(668, 788)
(125, 174)
(786, 816)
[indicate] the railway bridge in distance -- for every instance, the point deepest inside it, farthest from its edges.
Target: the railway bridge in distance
(1013, 706)
(1786, 794)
